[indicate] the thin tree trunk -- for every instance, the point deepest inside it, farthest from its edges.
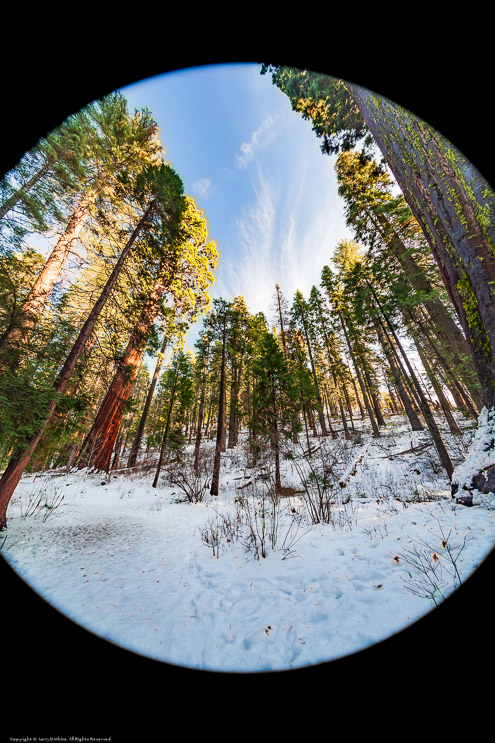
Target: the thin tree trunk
(215, 481)
(428, 416)
(444, 403)
(374, 399)
(465, 402)
(376, 432)
(233, 407)
(349, 406)
(282, 330)
(197, 443)
(330, 427)
(321, 416)
(276, 443)
(165, 434)
(416, 424)
(10, 203)
(149, 397)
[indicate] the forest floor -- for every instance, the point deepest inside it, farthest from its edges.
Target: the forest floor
(187, 583)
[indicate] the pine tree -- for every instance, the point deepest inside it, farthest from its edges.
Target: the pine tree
(161, 181)
(386, 224)
(178, 392)
(115, 146)
(276, 404)
(222, 309)
(182, 271)
(450, 200)
(300, 313)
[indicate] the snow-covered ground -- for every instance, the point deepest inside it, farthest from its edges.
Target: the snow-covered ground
(187, 583)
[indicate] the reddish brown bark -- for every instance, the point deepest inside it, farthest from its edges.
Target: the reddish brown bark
(17, 465)
(99, 444)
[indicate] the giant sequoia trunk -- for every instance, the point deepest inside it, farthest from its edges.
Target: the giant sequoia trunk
(451, 201)
(97, 449)
(18, 463)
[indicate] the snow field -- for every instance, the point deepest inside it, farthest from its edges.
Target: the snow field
(128, 562)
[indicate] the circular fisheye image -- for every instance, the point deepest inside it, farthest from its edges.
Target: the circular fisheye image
(247, 370)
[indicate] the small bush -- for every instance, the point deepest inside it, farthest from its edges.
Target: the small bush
(194, 484)
(41, 503)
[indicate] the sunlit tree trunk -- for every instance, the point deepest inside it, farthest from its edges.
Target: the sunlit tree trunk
(100, 441)
(31, 310)
(17, 464)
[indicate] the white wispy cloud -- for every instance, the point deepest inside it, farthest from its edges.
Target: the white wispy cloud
(202, 187)
(285, 236)
(259, 138)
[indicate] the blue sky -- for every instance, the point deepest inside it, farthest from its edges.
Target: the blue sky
(256, 170)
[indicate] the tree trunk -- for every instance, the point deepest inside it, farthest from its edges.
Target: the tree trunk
(445, 327)
(215, 481)
(165, 434)
(321, 416)
(374, 398)
(276, 443)
(97, 450)
(465, 403)
(444, 403)
(17, 465)
(449, 199)
(144, 415)
(376, 432)
(197, 442)
(233, 407)
(282, 329)
(30, 312)
(428, 416)
(416, 424)
(9, 203)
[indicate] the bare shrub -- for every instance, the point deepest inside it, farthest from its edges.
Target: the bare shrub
(318, 475)
(41, 503)
(193, 483)
(221, 530)
(434, 567)
(259, 513)
(254, 523)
